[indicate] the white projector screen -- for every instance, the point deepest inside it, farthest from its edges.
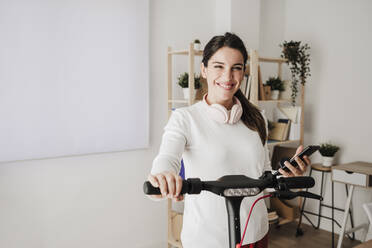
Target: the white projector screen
(74, 77)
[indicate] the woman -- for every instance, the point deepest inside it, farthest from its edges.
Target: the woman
(222, 135)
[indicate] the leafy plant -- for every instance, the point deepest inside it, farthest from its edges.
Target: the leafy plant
(275, 83)
(197, 41)
(328, 149)
(183, 81)
(298, 59)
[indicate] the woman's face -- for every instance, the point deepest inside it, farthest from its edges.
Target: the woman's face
(224, 73)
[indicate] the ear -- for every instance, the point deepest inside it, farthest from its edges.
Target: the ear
(203, 70)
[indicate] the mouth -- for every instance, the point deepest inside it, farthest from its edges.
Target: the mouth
(226, 86)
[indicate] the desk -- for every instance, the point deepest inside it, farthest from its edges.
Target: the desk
(303, 212)
(353, 174)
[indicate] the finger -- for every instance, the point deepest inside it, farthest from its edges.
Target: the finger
(153, 180)
(171, 184)
(299, 149)
(162, 184)
(301, 165)
(307, 160)
(156, 196)
(292, 168)
(284, 173)
(178, 186)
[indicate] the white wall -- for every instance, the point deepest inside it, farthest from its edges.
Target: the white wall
(97, 200)
(338, 92)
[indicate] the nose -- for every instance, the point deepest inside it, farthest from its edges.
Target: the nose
(227, 75)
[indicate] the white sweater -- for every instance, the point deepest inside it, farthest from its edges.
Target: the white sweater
(211, 150)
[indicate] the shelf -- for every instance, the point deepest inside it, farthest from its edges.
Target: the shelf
(283, 221)
(200, 53)
(275, 143)
(270, 60)
(186, 52)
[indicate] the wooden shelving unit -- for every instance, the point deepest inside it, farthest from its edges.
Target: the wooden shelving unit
(175, 218)
(286, 212)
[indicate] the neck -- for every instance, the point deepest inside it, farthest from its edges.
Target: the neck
(226, 103)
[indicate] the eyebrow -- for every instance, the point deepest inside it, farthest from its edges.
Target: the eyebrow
(221, 63)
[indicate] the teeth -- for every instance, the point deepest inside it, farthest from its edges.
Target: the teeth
(225, 86)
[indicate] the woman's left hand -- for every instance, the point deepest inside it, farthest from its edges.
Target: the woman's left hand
(300, 170)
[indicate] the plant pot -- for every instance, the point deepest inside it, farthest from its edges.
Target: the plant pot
(186, 93)
(327, 161)
(197, 46)
(274, 94)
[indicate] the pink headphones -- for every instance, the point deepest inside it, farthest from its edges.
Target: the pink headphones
(220, 114)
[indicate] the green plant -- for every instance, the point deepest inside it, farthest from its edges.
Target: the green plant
(183, 81)
(328, 149)
(298, 59)
(196, 41)
(275, 83)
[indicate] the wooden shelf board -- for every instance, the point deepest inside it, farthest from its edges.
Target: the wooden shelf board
(282, 142)
(186, 52)
(270, 60)
(283, 221)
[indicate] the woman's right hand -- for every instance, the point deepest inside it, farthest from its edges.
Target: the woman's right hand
(170, 185)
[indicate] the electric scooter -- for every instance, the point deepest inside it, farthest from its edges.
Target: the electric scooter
(235, 187)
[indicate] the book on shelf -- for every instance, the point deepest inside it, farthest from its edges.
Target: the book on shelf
(281, 130)
(261, 92)
(267, 91)
(292, 113)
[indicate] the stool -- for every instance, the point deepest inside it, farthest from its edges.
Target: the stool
(299, 232)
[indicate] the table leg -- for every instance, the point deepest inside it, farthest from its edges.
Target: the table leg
(346, 213)
(333, 216)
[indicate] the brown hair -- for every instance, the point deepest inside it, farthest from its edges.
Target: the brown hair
(251, 117)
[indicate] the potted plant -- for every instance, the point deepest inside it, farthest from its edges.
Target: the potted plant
(197, 44)
(328, 151)
(183, 81)
(276, 85)
(298, 59)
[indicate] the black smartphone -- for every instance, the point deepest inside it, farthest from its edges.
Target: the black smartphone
(305, 152)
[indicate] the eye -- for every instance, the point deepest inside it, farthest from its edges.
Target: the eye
(218, 66)
(238, 68)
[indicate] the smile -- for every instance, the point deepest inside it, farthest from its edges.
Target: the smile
(226, 86)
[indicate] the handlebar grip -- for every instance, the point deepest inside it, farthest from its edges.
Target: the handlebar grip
(189, 186)
(148, 189)
(297, 182)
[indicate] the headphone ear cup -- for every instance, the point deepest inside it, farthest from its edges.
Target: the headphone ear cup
(235, 114)
(219, 113)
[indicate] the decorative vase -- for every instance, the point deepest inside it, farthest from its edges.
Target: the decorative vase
(274, 94)
(327, 161)
(186, 93)
(197, 46)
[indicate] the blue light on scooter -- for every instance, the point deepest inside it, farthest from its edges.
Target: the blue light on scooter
(241, 192)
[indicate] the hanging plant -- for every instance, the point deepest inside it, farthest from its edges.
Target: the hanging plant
(298, 60)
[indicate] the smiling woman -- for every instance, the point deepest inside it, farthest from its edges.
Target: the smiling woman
(69, 75)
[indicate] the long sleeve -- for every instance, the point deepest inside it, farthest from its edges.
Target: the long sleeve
(173, 144)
